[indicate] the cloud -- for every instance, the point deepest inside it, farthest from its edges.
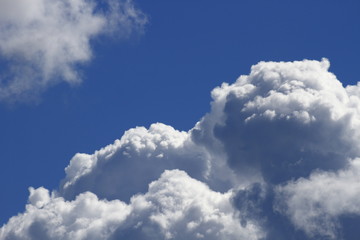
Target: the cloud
(277, 157)
(322, 203)
(176, 206)
(255, 204)
(283, 121)
(133, 161)
(43, 42)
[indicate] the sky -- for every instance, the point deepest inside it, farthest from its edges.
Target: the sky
(76, 75)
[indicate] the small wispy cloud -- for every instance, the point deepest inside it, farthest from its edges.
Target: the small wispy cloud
(42, 42)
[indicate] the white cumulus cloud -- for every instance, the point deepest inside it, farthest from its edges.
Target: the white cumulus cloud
(42, 42)
(283, 120)
(133, 161)
(175, 207)
(276, 158)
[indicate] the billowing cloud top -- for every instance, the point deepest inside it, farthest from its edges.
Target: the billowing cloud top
(175, 206)
(277, 157)
(138, 158)
(43, 41)
(284, 120)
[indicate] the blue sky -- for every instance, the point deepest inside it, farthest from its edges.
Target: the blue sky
(164, 74)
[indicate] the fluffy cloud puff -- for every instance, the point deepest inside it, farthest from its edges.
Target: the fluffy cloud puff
(322, 204)
(126, 167)
(283, 120)
(43, 41)
(280, 123)
(175, 207)
(282, 145)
